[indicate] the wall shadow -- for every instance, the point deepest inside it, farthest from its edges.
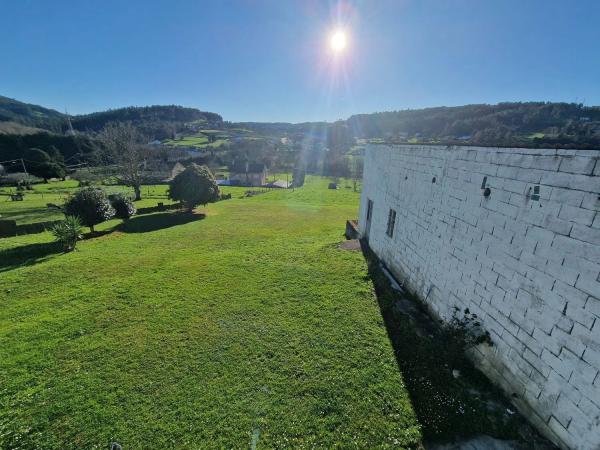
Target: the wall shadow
(154, 222)
(450, 406)
(27, 255)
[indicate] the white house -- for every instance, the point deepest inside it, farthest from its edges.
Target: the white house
(512, 234)
(248, 174)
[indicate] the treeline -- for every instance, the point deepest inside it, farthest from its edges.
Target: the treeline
(74, 149)
(502, 124)
(157, 122)
(515, 123)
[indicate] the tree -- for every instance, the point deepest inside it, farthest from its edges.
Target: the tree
(196, 185)
(123, 206)
(91, 205)
(41, 165)
(124, 144)
(356, 168)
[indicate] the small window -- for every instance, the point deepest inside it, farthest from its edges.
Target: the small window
(391, 222)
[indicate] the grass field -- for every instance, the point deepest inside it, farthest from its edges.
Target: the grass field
(248, 327)
(535, 135)
(34, 209)
(200, 140)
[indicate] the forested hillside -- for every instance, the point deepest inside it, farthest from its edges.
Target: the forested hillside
(322, 144)
(24, 126)
(502, 124)
(157, 122)
(537, 124)
(30, 115)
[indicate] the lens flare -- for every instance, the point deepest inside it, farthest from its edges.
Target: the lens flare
(338, 41)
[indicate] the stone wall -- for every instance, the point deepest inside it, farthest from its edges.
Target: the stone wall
(526, 259)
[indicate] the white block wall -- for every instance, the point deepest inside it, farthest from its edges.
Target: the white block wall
(530, 269)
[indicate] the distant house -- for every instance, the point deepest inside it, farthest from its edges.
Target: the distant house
(248, 174)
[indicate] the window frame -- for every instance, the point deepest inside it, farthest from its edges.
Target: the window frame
(391, 223)
(369, 209)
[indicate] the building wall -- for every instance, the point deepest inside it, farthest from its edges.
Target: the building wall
(528, 268)
(249, 179)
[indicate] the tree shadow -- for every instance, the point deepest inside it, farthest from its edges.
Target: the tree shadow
(154, 222)
(448, 407)
(27, 255)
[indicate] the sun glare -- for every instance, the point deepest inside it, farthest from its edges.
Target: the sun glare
(338, 41)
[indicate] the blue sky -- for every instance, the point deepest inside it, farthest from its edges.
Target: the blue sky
(269, 60)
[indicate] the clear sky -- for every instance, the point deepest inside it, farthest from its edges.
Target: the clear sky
(270, 60)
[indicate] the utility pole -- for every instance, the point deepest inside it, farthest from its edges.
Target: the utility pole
(24, 168)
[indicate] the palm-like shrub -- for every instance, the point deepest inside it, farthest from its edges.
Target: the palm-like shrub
(123, 206)
(91, 205)
(196, 185)
(68, 232)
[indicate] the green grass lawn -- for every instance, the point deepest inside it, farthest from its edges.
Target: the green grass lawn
(247, 327)
(196, 141)
(535, 135)
(34, 209)
(189, 141)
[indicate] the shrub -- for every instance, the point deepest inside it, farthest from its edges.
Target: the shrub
(196, 185)
(123, 206)
(461, 334)
(91, 205)
(68, 232)
(43, 165)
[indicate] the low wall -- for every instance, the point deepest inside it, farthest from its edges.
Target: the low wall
(514, 235)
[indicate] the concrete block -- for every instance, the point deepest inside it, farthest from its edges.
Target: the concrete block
(591, 287)
(568, 196)
(573, 295)
(578, 215)
(545, 163)
(562, 272)
(591, 201)
(593, 306)
(586, 234)
(576, 247)
(577, 164)
(557, 225)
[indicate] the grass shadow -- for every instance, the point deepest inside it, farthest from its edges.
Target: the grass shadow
(449, 408)
(27, 255)
(154, 222)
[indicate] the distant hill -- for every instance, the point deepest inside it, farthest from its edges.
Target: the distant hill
(157, 122)
(30, 115)
(156, 119)
(24, 126)
(532, 124)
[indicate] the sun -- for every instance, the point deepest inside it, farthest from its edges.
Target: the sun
(338, 41)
